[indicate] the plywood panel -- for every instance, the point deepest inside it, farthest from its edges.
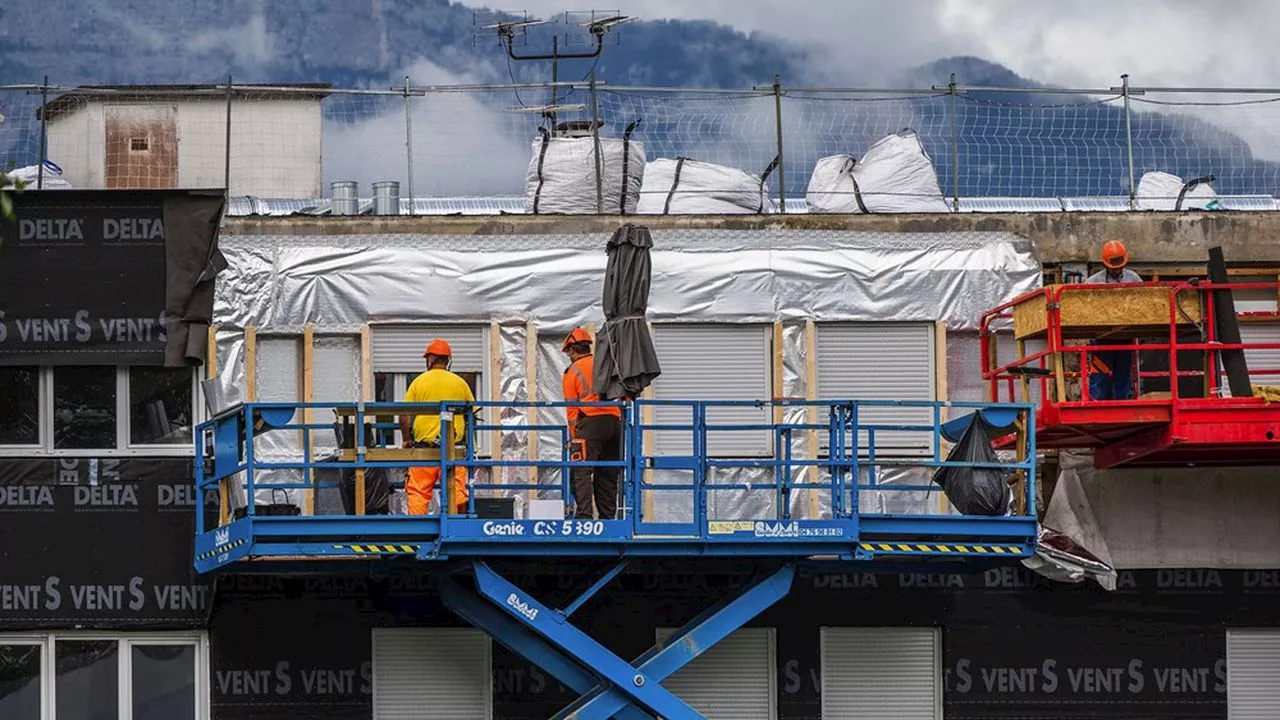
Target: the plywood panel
(1136, 309)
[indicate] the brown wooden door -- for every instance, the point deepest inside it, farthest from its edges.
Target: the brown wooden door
(142, 147)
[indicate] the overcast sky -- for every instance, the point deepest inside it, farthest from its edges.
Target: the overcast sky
(1081, 43)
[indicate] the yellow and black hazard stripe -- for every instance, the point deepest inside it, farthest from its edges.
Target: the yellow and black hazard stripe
(221, 549)
(369, 549)
(918, 548)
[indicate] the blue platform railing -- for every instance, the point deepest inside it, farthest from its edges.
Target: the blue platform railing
(803, 481)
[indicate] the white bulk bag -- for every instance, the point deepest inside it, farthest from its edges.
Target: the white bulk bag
(895, 176)
(691, 187)
(562, 175)
(1161, 190)
(30, 176)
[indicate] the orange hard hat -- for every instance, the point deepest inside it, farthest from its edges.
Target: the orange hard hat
(577, 335)
(1114, 254)
(439, 348)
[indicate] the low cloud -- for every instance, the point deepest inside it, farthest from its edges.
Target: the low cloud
(464, 143)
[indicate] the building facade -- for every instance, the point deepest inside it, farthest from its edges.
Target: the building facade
(167, 137)
(102, 615)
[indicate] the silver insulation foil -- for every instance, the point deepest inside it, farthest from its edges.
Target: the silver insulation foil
(336, 283)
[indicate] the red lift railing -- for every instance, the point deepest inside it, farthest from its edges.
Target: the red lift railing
(1190, 308)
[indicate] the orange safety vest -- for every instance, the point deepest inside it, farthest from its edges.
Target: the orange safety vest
(577, 386)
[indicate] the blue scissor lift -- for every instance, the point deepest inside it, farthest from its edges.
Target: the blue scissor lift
(456, 546)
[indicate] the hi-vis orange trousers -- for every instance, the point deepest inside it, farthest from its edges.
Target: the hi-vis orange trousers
(422, 482)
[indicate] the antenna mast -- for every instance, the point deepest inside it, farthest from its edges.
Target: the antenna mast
(599, 24)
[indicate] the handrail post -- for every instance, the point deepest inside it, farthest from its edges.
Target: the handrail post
(249, 441)
(777, 121)
(1128, 140)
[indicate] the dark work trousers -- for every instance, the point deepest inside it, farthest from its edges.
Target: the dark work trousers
(601, 436)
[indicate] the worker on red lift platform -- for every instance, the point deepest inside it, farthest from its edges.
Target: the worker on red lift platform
(436, 385)
(594, 432)
(1111, 371)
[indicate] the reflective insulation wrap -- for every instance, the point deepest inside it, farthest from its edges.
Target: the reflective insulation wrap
(336, 374)
(551, 283)
(707, 275)
(278, 380)
(552, 421)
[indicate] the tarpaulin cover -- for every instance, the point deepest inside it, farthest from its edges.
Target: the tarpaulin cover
(976, 491)
(1071, 545)
(100, 277)
(625, 361)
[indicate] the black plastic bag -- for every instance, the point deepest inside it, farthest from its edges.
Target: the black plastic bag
(975, 491)
(377, 490)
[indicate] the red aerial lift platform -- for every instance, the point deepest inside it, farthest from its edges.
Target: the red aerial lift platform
(1178, 411)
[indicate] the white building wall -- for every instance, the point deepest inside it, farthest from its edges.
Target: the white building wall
(77, 143)
(275, 145)
(1221, 518)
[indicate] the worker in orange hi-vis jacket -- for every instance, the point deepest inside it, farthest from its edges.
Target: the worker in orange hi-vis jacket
(436, 385)
(1111, 371)
(595, 433)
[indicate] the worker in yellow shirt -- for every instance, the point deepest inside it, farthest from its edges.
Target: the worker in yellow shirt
(436, 385)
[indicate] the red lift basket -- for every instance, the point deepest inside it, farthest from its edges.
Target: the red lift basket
(1179, 413)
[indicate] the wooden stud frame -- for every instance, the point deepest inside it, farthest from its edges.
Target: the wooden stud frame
(211, 372)
(250, 373)
(811, 394)
(366, 395)
(308, 414)
(941, 393)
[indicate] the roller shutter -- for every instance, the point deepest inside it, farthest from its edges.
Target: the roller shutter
(881, 673)
(734, 680)
(1261, 332)
(880, 361)
(431, 674)
(398, 348)
(713, 362)
(1253, 674)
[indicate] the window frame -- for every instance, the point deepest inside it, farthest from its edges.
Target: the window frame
(125, 447)
(125, 642)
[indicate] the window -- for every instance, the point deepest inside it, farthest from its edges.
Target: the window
(397, 360)
(735, 679)
(880, 361)
(714, 362)
(77, 409)
(893, 673)
(21, 696)
(160, 406)
(19, 406)
(1252, 657)
(95, 677)
(84, 408)
(434, 673)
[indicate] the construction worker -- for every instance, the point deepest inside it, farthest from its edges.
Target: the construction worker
(436, 385)
(595, 433)
(1111, 371)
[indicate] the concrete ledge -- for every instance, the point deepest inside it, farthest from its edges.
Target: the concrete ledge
(1060, 237)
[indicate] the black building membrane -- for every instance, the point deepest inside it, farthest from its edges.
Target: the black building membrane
(106, 544)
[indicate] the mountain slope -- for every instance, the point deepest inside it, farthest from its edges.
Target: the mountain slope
(1028, 144)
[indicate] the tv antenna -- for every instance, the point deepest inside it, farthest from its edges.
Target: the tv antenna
(597, 23)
